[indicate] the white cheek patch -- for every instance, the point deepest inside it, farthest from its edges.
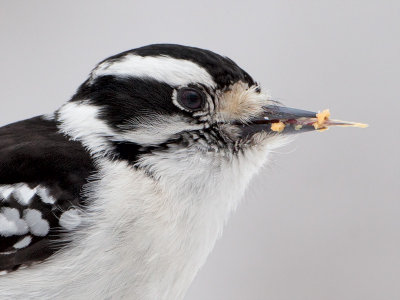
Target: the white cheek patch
(80, 121)
(157, 130)
(172, 71)
(70, 219)
(240, 103)
(11, 223)
(37, 225)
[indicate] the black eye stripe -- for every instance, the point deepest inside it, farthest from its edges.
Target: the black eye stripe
(191, 99)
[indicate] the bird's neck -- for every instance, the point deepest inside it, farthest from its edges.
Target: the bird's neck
(145, 237)
(158, 231)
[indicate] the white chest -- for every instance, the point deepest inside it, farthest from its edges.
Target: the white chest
(143, 238)
(163, 229)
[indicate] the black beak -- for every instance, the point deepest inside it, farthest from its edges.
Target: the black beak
(286, 120)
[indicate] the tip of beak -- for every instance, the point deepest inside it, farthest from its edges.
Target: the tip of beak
(323, 121)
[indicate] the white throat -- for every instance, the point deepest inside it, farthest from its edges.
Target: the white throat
(159, 231)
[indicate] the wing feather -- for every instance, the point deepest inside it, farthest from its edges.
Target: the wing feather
(42, 174)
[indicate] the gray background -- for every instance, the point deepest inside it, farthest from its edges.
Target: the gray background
(322, 220)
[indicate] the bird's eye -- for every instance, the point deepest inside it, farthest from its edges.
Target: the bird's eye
(191, 99)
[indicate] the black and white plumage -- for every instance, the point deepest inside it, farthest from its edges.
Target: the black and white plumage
(122, 193)
(42, 174)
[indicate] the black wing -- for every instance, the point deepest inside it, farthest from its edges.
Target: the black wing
(42, 174)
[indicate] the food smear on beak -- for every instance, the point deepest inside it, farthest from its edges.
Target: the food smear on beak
(303, 121)
(278, 126)
(323, 122)
(322, 117)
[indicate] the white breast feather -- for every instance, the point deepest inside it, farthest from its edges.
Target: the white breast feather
(144, 238)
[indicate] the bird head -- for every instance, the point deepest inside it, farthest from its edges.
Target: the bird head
(168, 98)
(182, 115)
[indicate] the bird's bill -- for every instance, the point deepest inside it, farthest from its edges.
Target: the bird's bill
(286, 120)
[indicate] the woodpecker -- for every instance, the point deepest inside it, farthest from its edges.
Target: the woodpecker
(123, 191)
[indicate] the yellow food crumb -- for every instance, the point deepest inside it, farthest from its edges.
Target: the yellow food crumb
(322, 117)
(278, 127)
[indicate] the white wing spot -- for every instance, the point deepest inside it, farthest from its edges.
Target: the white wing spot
(70, 219)
(23, 193)
(23, 243)
(44, 194)
(6, 191)
(7, 227)
(11, 223)
(3, 273)
(37, 225)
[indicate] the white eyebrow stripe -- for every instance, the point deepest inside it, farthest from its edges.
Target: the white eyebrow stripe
(172, 71)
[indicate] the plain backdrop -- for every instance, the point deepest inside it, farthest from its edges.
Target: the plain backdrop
(322, 220)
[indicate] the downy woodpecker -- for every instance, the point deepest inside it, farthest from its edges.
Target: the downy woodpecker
(124, 190)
